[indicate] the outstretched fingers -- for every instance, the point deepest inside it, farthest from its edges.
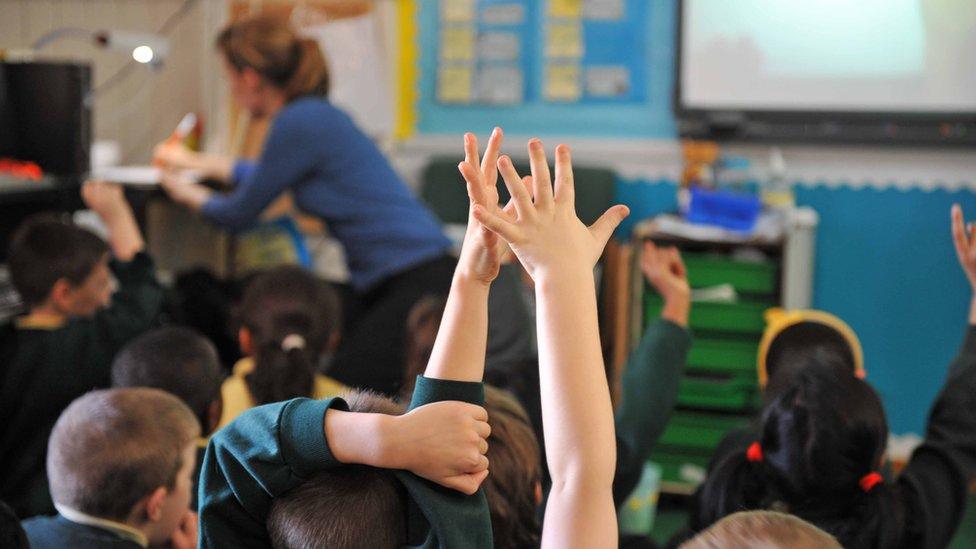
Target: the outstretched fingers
(541, 180)
(565, 191)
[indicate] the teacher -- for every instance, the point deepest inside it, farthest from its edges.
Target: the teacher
(394, 246)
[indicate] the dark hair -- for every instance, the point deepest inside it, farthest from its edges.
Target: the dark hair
(268, 45)
(113, 447)
(818, 437)
(793, 348)
(45, 249)
(12, 534)
(177, 360)
(516, 471)
(347, 507)
(287, 301)
(423, 321)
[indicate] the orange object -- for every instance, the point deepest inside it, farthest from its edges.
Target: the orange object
(21, 169)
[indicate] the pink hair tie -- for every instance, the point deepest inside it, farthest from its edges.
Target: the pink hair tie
(754, 454)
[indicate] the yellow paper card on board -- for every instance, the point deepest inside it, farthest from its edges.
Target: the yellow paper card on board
(457, 44)
(562, 82)
(566, 9)
(564, 40)
(457, 11)
(454, 84)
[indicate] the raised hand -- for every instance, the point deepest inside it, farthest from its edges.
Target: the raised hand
(482, 252)
(185, 535)
(546, 235)
(664, 269)
(964, 238)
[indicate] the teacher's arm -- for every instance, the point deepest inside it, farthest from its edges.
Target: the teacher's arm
(289, 157)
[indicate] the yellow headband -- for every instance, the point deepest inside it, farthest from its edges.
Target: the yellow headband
(778, 320)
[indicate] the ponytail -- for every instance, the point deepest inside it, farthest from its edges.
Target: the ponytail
(270, 47)
(290, 316)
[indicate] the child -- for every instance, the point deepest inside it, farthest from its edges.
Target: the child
(821, 441)
(64, 345)
(559, 253)
(183, 363)
(762, 530)
(273, 449)
(289, 319)
(120, 462)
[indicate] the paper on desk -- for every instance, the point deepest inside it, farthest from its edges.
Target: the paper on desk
(136, 176)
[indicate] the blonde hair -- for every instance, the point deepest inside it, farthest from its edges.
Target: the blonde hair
(270, 47)
(762, 530)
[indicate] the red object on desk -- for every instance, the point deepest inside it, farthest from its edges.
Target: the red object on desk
(21, 169)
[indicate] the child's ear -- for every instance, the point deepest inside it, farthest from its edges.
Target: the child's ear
(214, 412)
(154, 504)
(62, 295)
(244, 340)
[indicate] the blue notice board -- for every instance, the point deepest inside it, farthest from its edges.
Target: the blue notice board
(568, 67)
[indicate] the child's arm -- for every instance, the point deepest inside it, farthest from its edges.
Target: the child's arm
(939, 471)
(653, 370)
(270, 449)
(459, 350)
(559, 252)
(108, 201)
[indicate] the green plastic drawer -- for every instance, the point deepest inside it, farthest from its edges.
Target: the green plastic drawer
(728, 393)
(747, 277)
(685, 471)
(742, 318)
(694, 432)
(728, 355)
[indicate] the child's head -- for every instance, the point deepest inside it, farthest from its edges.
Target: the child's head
(288, 320)
(179, 361)
(125, 455)
(820, 442)
(423, 321)
(762, 530)
(54, 263)
(514, 487)
(792, 337)
(347, 507)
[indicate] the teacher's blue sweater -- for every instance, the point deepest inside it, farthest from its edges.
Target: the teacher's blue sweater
(337, 174)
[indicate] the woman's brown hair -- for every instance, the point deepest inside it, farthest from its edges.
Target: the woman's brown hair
(268, 45)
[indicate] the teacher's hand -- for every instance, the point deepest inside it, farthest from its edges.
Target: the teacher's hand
(184, 191)
(174, 155)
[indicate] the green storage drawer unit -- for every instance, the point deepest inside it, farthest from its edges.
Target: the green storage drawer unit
(706, 270)
(727, 393)
(726, 355)
(699, 433)
(741, 318)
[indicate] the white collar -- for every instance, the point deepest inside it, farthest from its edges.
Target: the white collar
(122, 530)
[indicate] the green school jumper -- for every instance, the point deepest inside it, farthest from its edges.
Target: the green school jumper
(649, 394)
(271, 449)
(44, 368)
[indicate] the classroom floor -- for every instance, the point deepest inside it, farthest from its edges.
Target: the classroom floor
(671, 517)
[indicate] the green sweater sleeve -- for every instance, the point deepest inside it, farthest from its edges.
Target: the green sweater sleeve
(265, 452)
(438, 516)
(134, 306)
(650, 391)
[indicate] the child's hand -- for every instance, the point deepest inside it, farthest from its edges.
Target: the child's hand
(482, 252)
(664, 269)
(546, 235)
(105, 199)
(964, 237)
(185, 536)
(444, 442)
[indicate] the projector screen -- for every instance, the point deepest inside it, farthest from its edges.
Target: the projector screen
(898, 56)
